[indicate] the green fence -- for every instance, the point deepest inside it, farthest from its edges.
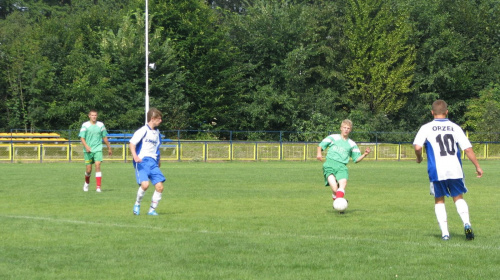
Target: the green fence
(211, 151)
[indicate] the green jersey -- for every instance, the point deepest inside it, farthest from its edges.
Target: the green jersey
(93, 134)
(340, 150)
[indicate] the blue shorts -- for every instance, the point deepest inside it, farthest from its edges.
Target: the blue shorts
(450, 187)
(147, 170)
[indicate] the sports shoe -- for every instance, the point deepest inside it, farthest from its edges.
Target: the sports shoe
(446, 237)
(98, 189)
(469, 234)
(137, 209)
(152, 213)
(85, 187)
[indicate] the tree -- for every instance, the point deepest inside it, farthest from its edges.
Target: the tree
(457, 43)
(195, 34)
(382, 60)
(28, 74)
(483, 114)
(292, 56)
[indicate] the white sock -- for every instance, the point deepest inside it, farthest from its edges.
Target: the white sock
(140, 195)
(155, 200)
(463, 211)
(442, 218)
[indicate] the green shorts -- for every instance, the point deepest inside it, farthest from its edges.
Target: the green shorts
(91, 158)
(338, 169)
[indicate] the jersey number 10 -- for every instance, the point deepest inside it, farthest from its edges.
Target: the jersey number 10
(446, 144)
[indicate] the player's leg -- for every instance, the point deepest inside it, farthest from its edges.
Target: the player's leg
(463, 211)
(462, 208)
(457, 189)
(342, 176)
(88, 170)
(342, 186)
(141, 176)
(156, 198)
(143, 187)
(332, 182)
(98, 173)
(157, 179)
(98, 176)
(329, 176)
(442, 217)
(439, 190)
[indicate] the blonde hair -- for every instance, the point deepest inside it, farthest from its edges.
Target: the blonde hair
(153, 113)
(346, 122)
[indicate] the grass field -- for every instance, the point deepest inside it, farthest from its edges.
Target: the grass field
(242, 220)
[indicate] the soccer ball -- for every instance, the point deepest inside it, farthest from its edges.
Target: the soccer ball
(340, 204)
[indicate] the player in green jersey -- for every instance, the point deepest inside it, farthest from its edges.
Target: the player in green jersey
(340, 149)
(92, 134)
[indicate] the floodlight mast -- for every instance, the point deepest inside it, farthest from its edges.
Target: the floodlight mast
(146, 42)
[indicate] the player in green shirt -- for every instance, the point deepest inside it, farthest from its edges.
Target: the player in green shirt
(340, 149)
(92, 134)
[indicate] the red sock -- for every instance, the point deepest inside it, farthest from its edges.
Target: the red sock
(339, 194)
(87, 179)
(98, 181)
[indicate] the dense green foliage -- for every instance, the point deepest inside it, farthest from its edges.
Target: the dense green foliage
(249, 65)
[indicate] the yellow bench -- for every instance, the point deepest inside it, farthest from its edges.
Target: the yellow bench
(19, 137)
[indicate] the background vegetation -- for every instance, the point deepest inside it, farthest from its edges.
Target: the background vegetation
(250, 65)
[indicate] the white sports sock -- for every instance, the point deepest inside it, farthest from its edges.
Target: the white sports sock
(442, 218)
(155, 200)
(463, 211)
(140, 195)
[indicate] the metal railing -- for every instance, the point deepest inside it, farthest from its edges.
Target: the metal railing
(210, 151)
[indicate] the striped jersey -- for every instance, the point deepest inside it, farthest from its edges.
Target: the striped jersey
(339, 149)
(442, 140)
(147, 142)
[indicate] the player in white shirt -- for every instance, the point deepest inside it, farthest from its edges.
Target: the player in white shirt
(443, 140)
(145, 148)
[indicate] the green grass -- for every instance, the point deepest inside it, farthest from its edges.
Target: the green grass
(242, 220)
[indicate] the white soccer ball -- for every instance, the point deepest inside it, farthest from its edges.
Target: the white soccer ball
(340, 204)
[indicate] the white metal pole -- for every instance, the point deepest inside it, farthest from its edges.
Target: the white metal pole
(146, 40)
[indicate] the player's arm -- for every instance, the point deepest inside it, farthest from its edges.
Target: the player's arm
(418, 153)
(133, 152)
(472, 157)
(361, 157)
(84, 143)
(319, 155)
(106, 141)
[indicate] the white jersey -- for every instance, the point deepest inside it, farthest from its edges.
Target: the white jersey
(442, 140)
(147, 142)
